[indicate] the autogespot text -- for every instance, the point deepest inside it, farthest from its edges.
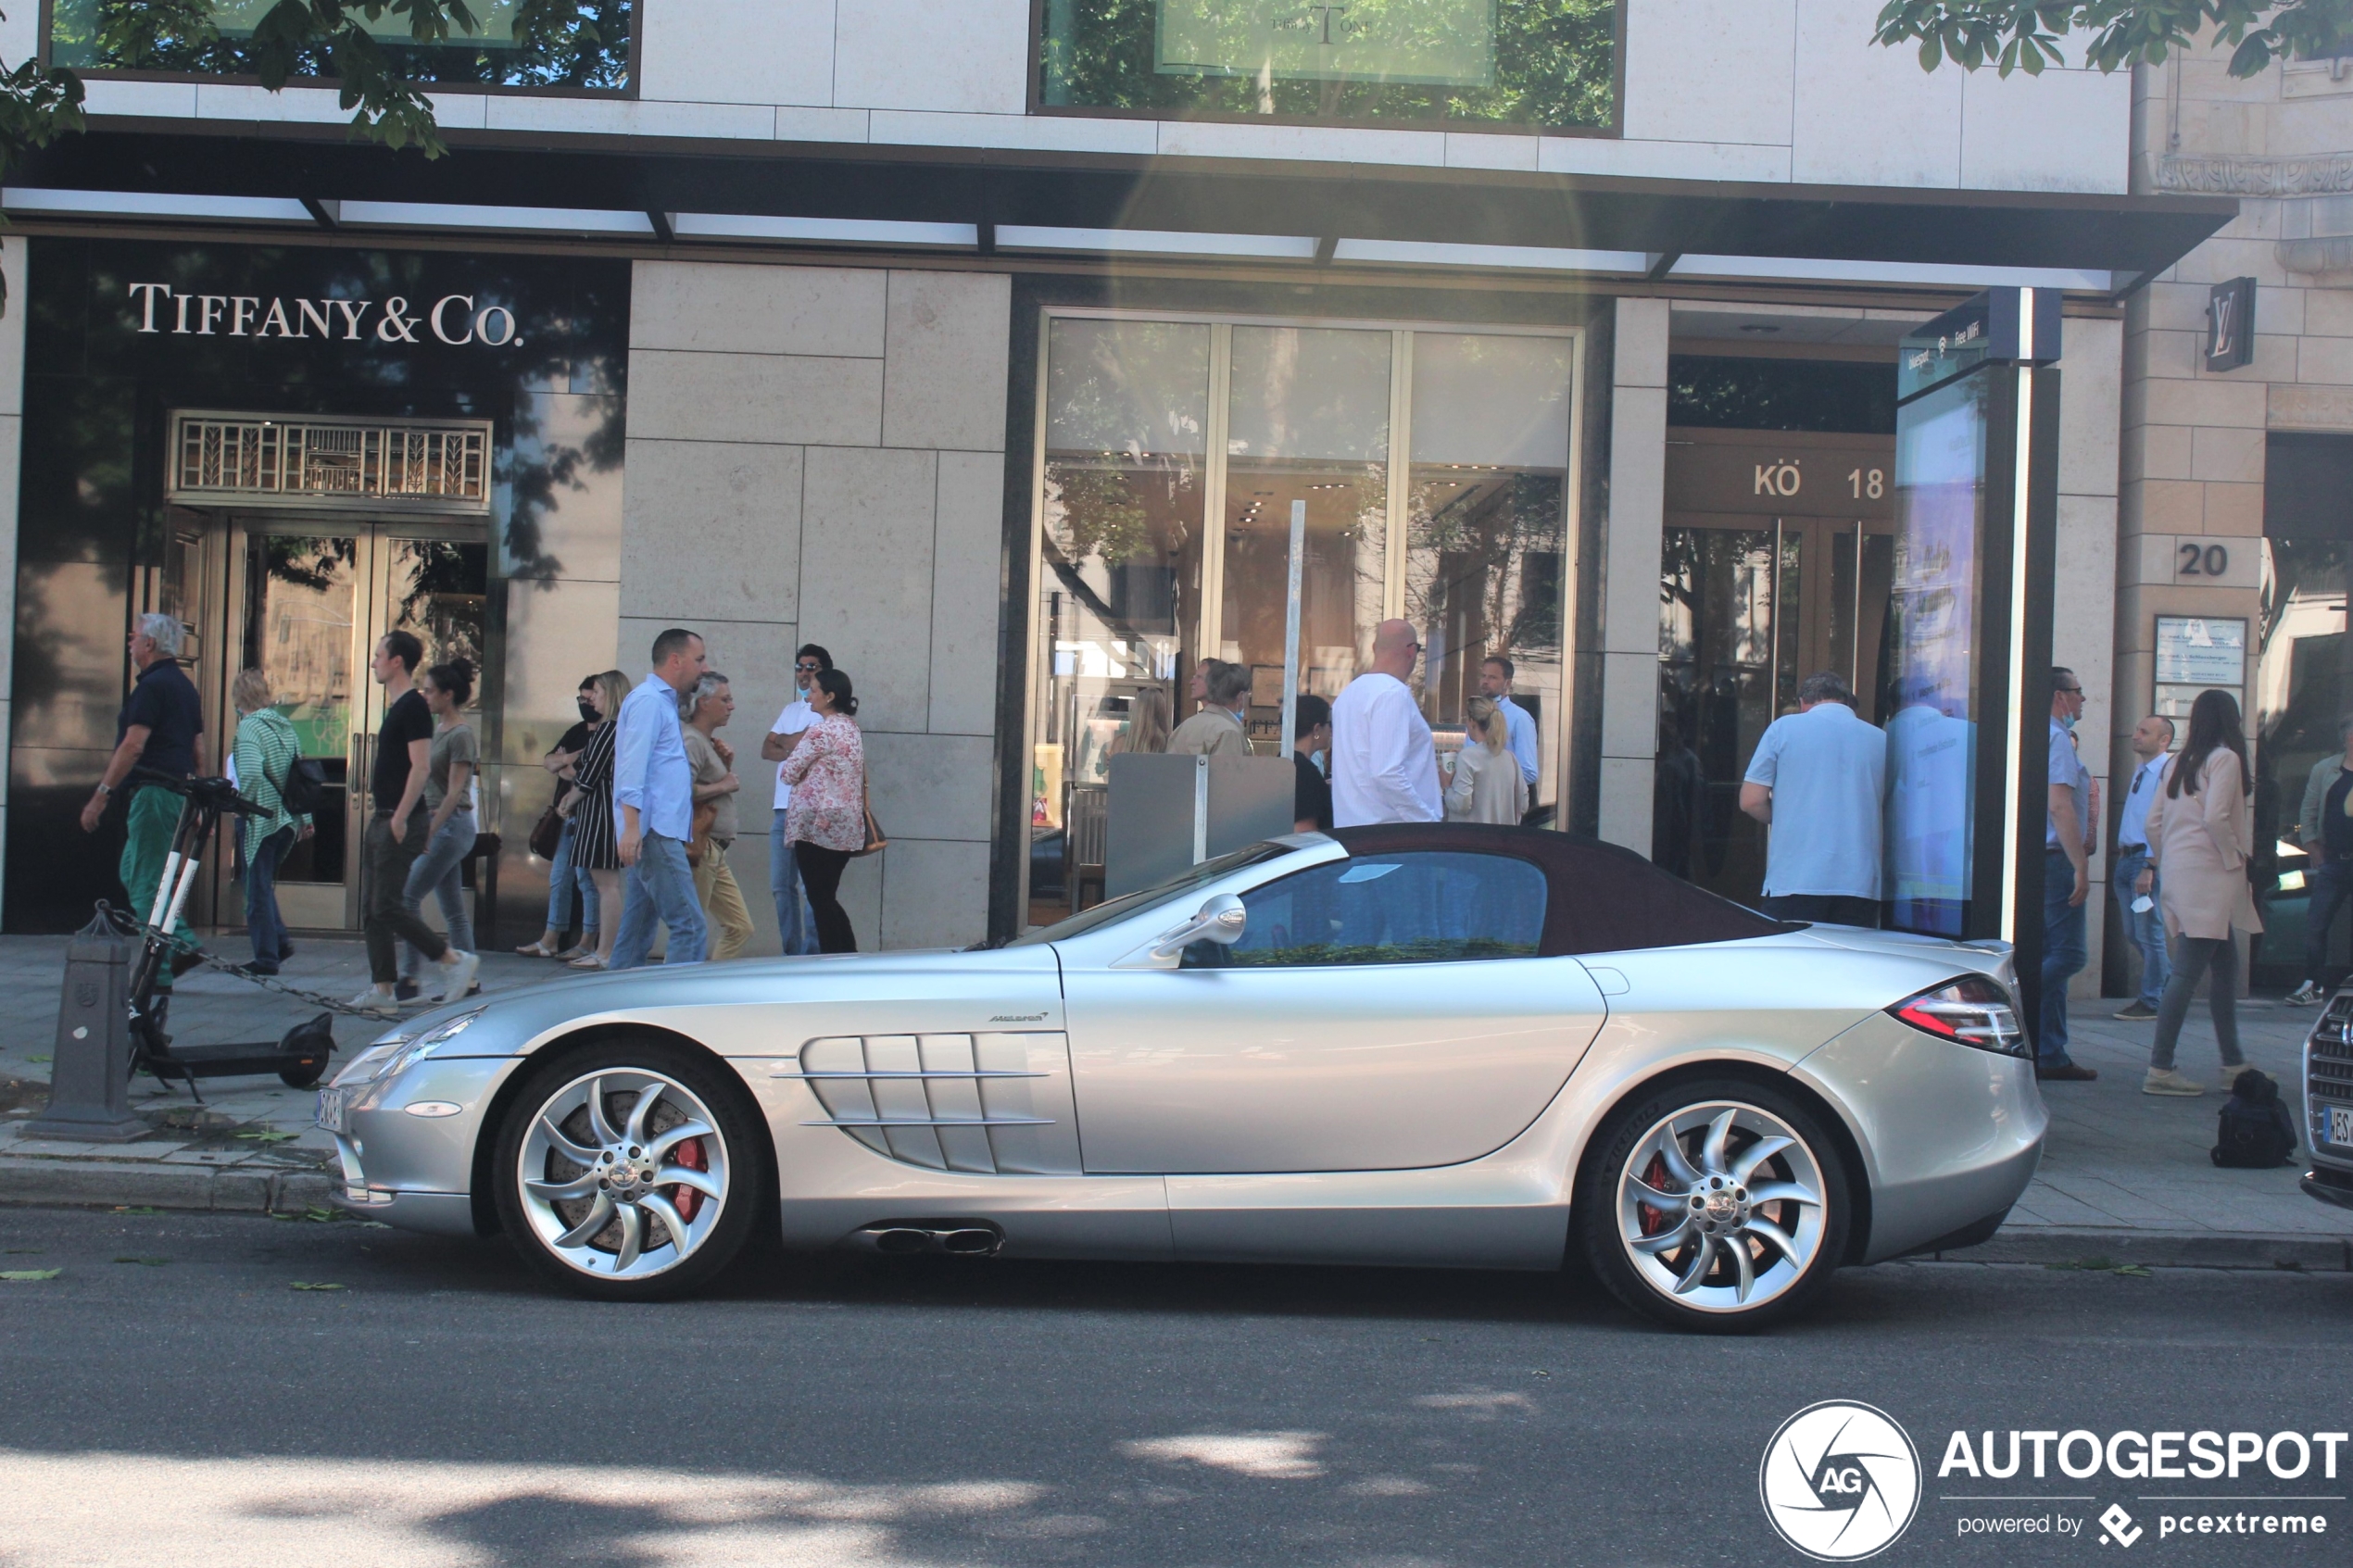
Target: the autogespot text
(2151, 1455)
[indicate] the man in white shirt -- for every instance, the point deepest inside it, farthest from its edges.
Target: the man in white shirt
(793, 919)
(1818, 780)
(1218, 730)
(1495, 680)
(1384, 764)
(2152, 740)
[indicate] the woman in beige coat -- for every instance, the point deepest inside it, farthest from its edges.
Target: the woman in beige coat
(1488, 785)
(2201, 829)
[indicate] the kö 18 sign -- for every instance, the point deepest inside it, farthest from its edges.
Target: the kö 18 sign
(452, 319)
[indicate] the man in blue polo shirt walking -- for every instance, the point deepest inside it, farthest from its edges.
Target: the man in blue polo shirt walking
(654, 793)
(1819, 781)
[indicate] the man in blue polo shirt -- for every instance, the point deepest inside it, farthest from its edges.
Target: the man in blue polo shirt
(1818, 780)
(161, 726)
(2067, 880)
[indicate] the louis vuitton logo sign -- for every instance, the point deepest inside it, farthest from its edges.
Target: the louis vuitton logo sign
(451, 319)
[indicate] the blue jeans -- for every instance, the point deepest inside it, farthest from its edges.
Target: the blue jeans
(2326, 888)
(263, 922)
(2064, 952)
(2146, 930)
(660, 886)
(441, 871)
(795, 921)
(563, 877)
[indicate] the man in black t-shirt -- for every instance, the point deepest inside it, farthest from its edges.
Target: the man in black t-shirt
(161, 727)
(397, 834)
(1311, 801)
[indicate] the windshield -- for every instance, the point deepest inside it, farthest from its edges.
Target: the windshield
(1167, 892)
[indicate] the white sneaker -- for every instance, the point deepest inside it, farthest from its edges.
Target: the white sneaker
(457, 972)
(373, 1000)
(2166, 1081)
(2305, 996)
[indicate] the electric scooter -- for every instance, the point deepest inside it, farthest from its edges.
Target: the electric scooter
(300, 1056)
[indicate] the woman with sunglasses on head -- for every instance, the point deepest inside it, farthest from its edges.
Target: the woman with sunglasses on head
(827, 822)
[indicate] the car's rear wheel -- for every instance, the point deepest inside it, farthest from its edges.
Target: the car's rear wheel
(1719, 1206)
(630, 1171)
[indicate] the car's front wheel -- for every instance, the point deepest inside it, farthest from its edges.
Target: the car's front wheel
(1719, 1206)
(629, 1172)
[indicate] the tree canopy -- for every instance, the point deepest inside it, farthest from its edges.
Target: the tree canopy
(2025, 34)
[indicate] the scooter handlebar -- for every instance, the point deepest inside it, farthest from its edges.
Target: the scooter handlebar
(217, 794)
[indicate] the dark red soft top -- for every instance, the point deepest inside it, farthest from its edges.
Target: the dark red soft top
(1600, 898)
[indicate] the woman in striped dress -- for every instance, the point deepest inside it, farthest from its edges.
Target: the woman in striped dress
(596, 846)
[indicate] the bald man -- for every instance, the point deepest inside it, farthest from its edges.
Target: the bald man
(1384, 764)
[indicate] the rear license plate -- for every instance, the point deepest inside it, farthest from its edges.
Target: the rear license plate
(330, 1110)
(2341, 1124)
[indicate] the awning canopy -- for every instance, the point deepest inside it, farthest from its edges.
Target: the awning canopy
(1650, 222)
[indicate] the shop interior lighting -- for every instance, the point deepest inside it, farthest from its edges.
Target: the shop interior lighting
(1156, 242)
(1415, 253)
(823, 230)
(1810, 269)
(521, 220)
(147, 203)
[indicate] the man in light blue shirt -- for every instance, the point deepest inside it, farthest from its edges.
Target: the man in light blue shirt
(2067, 880)
(1818, 780)
(2152, 739)
(1519, 724)
(653, 796)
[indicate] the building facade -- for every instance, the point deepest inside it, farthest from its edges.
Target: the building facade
(995, 348)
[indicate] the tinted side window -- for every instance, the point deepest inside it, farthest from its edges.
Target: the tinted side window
(1403, 907)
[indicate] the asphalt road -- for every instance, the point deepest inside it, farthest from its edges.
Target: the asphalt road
(171, 1397)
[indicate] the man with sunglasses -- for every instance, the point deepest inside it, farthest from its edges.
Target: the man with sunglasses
(793, 919)
(1384, 763)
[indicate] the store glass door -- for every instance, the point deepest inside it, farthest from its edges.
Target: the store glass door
(1748, 608)
(312, 602)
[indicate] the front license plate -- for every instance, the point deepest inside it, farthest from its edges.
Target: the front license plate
(2341, 1124)
(330, 1110)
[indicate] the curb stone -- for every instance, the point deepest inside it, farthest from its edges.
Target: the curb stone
(2178, 1249)
(96, 1183)
(111, 1183)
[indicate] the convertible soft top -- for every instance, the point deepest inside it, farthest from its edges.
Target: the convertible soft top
(1601, 897)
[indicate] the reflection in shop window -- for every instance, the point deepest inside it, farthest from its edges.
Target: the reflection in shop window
(2303, 688)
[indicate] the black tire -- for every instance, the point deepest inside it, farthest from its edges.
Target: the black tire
(1628, 1151)
(735, 1150)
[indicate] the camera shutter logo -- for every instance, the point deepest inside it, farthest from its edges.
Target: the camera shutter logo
(1840, 1481)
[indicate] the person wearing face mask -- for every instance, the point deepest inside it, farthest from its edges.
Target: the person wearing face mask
(566, 876)
(1312, 800)
(2067, 880)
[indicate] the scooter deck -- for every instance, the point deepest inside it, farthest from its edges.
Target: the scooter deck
(240, 1059)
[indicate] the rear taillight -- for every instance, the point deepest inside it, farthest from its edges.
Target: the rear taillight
(1971, 1011)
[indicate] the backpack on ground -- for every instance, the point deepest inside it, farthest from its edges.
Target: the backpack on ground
(2255, 1131)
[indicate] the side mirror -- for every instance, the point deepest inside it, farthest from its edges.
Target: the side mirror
(1220, 920)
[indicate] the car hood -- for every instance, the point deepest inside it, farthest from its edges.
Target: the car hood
(517, 1021)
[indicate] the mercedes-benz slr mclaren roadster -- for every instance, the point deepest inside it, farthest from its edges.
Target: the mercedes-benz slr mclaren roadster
(1461, 1045)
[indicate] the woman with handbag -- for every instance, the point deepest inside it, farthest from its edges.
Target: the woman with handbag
(827, 821)
(450, 834)
(596, 846)
(555, 838)
(709, 703)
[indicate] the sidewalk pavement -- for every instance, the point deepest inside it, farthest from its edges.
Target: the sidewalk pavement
(2124, 1175)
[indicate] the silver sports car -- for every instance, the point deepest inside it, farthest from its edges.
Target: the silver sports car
(1463, 1046)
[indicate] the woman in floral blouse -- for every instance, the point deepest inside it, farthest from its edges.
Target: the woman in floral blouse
(827, 822)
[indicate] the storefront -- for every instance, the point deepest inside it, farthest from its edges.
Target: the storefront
(295, 450)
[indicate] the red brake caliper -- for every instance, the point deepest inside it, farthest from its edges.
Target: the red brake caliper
(691, 1156)
(1653, 1175)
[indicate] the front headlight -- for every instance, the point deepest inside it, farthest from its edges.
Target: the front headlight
(397, 1052)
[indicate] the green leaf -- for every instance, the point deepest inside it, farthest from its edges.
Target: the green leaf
(29, 1274)
(306, 1284)
(139, 1208)
(1932, 52)
(267, 1137)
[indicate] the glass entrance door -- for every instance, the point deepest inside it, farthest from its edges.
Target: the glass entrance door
(1748, 608)
(311, 603)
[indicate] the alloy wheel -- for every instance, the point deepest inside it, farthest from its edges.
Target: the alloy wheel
(623, 1173)
(1720, 1207)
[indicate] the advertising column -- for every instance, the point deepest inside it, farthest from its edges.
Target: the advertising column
(1976, 499)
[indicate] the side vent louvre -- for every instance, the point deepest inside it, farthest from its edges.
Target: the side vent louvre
(986, 1104)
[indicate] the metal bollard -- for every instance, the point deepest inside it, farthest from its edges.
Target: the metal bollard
(90, 1070)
